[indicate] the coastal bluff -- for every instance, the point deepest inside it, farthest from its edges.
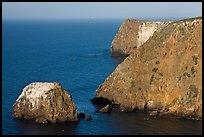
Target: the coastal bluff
(45, 102)
(132, 34)
(162, 75)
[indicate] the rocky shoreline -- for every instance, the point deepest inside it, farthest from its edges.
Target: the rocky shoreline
(161, 74)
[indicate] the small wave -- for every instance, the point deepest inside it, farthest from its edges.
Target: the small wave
(72, 59)
(94, 54)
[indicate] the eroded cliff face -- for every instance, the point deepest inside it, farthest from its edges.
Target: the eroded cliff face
(163, 76)
(45, 102)
(132, 34)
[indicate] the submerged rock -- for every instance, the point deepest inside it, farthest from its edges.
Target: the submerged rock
(88, 117)
(45, 102)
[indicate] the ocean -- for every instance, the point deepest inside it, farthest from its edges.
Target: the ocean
(74, 53)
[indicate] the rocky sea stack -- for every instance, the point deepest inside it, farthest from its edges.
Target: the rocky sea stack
(163, 75)
(45, 102)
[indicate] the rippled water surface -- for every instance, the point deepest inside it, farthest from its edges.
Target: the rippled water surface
(76, 54)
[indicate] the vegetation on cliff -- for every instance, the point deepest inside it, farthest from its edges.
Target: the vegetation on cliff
(163, 75)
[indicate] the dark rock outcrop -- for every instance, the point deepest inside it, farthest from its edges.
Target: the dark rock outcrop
(99, 100)
(45, 102)
(84, 116)
(163, 75)
(81, 115)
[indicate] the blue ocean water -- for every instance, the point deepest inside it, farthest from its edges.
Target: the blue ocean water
(76, 54)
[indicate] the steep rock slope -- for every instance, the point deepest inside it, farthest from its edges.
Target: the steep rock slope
(163, 76)
(132, 34)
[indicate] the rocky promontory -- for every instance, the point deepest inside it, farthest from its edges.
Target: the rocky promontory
(45, 102)
(163, 75)
(132, 34)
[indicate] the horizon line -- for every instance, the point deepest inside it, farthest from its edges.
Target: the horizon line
(95, 18)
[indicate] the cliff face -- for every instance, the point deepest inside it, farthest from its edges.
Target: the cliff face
(45, 102)
(164, 75)
(132, 34)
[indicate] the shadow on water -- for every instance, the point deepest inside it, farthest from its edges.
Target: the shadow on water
(117, 60)
(30, 127)
(138, 123)
(121, 123)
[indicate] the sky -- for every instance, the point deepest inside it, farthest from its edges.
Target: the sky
(81, 10)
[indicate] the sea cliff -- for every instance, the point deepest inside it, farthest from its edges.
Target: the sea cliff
(132, 34)
(163, 75)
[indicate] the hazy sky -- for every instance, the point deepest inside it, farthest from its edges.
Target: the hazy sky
(67, 10)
